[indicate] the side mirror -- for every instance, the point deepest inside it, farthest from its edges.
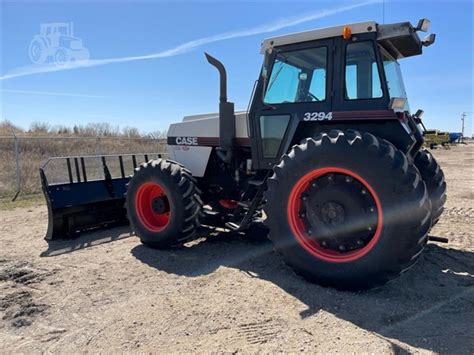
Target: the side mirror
(419, 113)
(429, 40)
(423, 25)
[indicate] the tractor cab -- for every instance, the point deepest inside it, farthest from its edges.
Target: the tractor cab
(56, 29)
(342, 74)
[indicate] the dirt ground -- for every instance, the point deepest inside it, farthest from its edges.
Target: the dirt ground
(105, 292)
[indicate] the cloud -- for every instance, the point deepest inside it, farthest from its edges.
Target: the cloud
(190, 45)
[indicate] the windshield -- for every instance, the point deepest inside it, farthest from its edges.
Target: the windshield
(393, 74)
(298, 76)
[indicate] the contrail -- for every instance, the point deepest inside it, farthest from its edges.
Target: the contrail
(50, 93)
(188, 46)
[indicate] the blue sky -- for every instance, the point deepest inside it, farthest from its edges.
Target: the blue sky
(152, 93)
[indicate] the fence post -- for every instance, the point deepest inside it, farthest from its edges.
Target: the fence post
(98, 150)
(17, 161)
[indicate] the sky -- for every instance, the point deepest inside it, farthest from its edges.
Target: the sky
(147, 69)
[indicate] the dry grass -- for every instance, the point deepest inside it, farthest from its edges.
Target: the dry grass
(26, 201)
(34, 151)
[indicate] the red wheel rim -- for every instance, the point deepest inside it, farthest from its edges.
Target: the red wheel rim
(148, 196)
(310, 244)
(229, 204)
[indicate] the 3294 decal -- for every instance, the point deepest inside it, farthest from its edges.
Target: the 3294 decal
(317, 116)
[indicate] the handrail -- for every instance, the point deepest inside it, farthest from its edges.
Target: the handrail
(94, 156)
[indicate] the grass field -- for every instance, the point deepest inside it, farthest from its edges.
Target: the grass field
(34, 151)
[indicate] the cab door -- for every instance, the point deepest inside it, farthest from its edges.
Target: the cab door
(295, 86)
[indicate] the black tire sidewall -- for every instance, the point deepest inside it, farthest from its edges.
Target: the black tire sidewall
(433, 176)
(396, 241)
(174, 227)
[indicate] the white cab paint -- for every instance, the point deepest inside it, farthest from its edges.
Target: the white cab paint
(361, 27)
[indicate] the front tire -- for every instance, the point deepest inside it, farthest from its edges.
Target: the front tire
(347, 210)
(163, 204)
(62, 57)
(37, 51)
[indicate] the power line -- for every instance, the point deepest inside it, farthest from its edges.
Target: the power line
(383, 11)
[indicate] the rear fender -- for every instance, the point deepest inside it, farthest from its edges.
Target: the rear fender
(395, 131)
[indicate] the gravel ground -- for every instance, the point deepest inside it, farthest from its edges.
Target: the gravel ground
(105, 292)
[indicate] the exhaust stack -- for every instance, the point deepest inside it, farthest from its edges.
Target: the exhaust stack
(226, 114)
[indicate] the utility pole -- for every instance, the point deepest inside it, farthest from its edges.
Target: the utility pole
(463, 115)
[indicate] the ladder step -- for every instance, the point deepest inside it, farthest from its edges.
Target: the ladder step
(210, 212)
(232, 226)
(245, 204)
(256, 182)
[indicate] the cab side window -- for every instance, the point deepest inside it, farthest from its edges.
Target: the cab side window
(298, 76)
(362, 79)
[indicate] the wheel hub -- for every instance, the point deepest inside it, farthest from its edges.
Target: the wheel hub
(160, 205)
(332, 213)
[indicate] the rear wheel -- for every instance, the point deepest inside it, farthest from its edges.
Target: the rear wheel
(347, 210)
(433, 176)
(162, 204)
(37, 51)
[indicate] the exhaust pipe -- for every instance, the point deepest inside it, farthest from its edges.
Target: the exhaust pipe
(226, 114)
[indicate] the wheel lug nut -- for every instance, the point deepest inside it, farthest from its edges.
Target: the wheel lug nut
(369, 229)
(302, 215)
(304, 197)
(309, 231)
(360, 242)
(342, 248)
(371, 209)
(364, 192)
(330, 178)
(348, 179)
(324, 243)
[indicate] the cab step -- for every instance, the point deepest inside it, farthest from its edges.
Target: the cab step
(232, 226)
(256, 182)
(245, 204)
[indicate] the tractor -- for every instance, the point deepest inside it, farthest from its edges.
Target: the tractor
(327, 157)
(56, 43)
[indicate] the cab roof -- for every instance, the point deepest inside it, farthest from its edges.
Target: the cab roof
(399, 39)
(320, 33)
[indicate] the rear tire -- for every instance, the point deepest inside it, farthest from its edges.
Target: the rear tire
(163, 204)
(363, 234)
(433, 176)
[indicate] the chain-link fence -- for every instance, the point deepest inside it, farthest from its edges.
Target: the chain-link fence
(22, 156)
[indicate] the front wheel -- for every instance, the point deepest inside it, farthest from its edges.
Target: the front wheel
(163, 204)
(347, 210)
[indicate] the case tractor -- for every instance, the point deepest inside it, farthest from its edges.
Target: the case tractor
(328, 157)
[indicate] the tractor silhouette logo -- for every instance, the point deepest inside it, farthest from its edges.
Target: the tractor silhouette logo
(56, 44)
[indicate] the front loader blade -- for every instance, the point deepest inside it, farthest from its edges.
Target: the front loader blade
(80, 204)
